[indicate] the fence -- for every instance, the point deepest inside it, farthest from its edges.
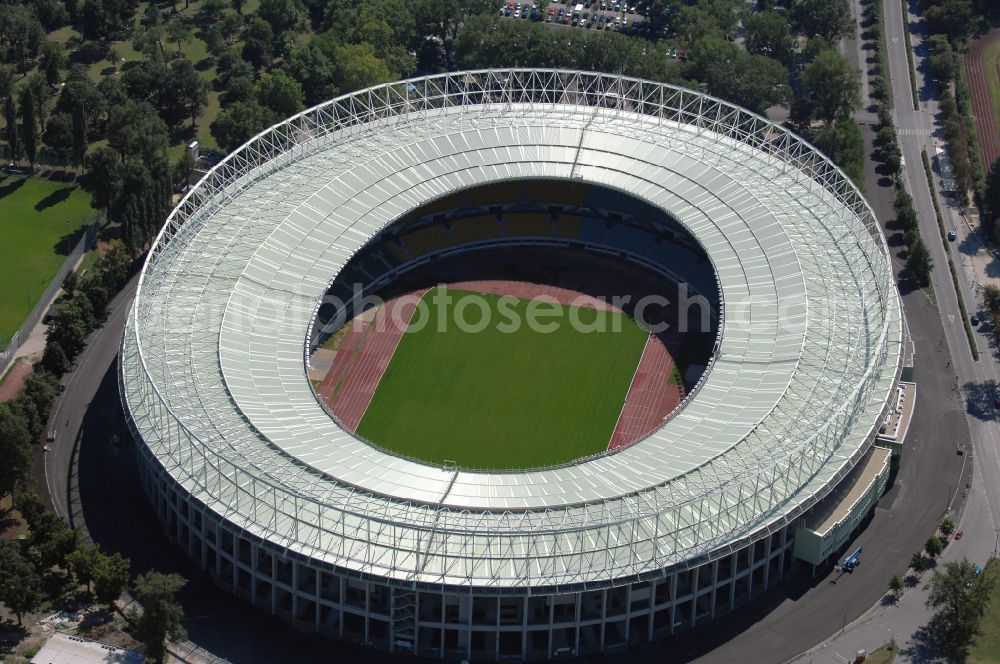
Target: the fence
(85, 243)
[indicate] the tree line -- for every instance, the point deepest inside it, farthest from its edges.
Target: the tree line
(53, 563)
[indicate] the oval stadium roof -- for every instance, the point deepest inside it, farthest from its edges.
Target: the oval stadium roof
(213, 357)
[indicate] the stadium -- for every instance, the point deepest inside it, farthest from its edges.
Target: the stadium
(295, 446)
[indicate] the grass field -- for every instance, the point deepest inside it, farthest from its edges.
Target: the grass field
(986, 649)
(504, 400)
(33, 216)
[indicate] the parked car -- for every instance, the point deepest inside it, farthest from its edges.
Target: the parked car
(952, 235)
(974, 319)
(958, 534)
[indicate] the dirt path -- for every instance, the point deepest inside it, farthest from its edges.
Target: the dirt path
(982, 108)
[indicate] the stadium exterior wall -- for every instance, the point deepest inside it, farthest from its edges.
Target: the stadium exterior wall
(457, 623)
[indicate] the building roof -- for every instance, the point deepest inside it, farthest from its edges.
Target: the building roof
(65, 649)
(214, 370)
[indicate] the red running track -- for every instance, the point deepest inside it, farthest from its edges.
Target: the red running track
(14, 380)
(348, 345)
(358, 371)
(982, 107)
(650, 397)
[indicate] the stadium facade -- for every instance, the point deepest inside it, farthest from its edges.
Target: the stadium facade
(280, 505)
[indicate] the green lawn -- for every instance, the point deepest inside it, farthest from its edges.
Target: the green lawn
(986, 649)
(33, 216)
(501, 400)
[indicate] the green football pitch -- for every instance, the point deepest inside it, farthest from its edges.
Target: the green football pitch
(500, 399)
(37, 216)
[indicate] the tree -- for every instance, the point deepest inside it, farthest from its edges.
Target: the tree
(753, 81)
(359, 67)
(50, 540)
(258, 43)
(59, 134)
(187, 91)
(32, 509)
(842, 142)
(959, 597)
(110, 577)
(767, 33)
(918, 562)
(991, 199)
(933, 546)
(104, 178)
(281, 93)
(70, 324)
(947, 527)
(240, 122)
(12, 132)
(285, 14)
(20, 587)
(896, 584)
(35, 400)
(991, 298)
(54, 359)
(211, 12)
(906, 215)
(183, 169)
(27, 105)
(21, 33)
(15, 450)
(102, 20)
(942, 59)
(830, 19)
(179, 33)
(79, 95)
(239, 88)
(78, 148)
(135, 130)
(833, 84)
(954, 18)
(919, 265)
(83, 564)
(238, 6)
(311, 64)
(161, 614)
(693, 24)
(52, 61)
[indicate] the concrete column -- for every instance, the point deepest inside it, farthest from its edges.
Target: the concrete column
(715, 587)
(604, 615)
(341, 604)
(673, 600)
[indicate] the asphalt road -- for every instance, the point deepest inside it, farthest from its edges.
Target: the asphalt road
(77, 401)
(919, 129)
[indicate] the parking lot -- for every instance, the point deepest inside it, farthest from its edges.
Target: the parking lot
(610, 15)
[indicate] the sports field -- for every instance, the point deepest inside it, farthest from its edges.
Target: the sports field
(498, 399)
(33, 226)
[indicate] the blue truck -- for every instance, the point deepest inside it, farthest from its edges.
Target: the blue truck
(851, 561)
